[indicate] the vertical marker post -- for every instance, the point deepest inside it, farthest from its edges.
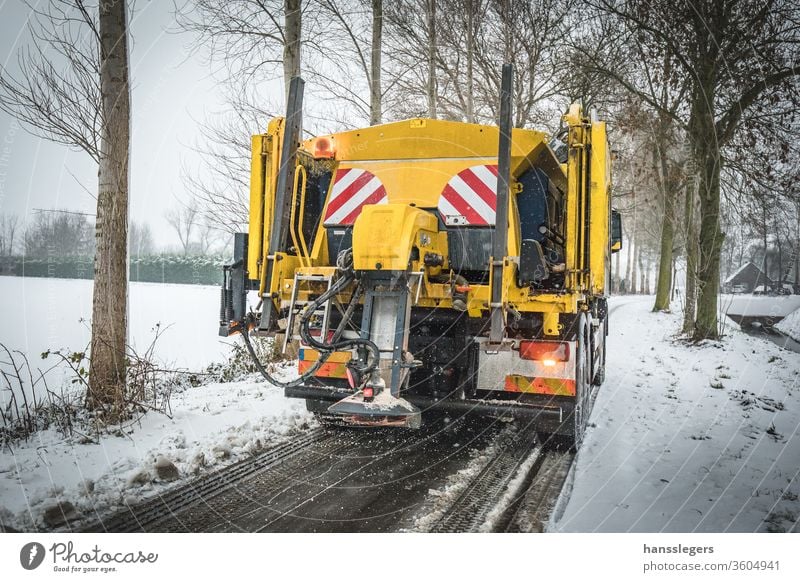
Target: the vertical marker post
(283, 193)
(500, 238)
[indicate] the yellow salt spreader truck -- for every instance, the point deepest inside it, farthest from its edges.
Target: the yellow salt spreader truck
(429, 265)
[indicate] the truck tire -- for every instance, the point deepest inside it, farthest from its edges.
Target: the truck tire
(583, 370)
(600, 375)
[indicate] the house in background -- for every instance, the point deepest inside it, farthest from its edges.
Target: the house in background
(746, 279)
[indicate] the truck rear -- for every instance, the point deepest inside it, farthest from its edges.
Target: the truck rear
(431, 265)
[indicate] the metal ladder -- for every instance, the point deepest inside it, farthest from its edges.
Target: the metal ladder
(296, 306)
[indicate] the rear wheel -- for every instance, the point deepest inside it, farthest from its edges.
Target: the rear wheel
(583, 370)
(600, 375)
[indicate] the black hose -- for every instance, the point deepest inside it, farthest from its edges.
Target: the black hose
(336, 344)
(325, 349)
(271, 379)
(324, 355)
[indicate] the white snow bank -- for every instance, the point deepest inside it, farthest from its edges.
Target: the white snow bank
(791, 325)
(211, 425)
(688, 437)
(760, 305)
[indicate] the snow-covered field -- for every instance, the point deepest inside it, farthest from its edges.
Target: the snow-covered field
(40, 314)
(688, 438)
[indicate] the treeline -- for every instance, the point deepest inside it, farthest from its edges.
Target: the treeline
(180, 269)
(60, 244)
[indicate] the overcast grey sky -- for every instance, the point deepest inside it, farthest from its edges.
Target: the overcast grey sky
(172, 91)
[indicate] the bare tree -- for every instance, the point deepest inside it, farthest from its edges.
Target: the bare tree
(251, 39)
(221, 182)
(107, 371)
(71, 86)
(249, 42)
(739, 57)
(430, 17)
(437, 77)
(651, 69)
(59, 234)
(141, 239)
(183, 220)
(208, 236)
(412, 53)
(55, 90)
(376, 96)
(348, 63)
(9, 224)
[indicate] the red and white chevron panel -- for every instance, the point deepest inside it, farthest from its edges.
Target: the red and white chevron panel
(352, 189)
(470, 197)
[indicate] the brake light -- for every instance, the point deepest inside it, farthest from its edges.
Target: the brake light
(546, 352)
(369, 392)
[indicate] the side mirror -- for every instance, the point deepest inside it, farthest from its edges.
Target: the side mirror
(616, 231)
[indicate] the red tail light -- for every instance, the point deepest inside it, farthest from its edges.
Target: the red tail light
(369, 392)
(555, 351)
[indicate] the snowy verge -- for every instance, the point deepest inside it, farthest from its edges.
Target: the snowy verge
(760, 305)
(688, 437)
(791, 325)
(42, 479)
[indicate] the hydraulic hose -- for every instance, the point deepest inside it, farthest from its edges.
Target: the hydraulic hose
(336, 344)
(344, 262)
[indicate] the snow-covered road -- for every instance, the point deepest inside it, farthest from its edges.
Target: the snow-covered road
(687, 437)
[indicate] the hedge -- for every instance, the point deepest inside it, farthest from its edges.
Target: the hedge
(199, 270)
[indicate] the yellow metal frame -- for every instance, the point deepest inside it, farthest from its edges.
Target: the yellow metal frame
(299, 238)
(414, 160)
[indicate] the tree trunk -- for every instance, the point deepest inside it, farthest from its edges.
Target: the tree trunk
(642, 276)
(508, 30)
(375, 112)
(629, 265)
(664, 280)
(292, 30)
(470, 61)
(634, 271)
(674, 277)
(432, 59)
(109, 306)
(616, 273)
(763, 240)
(691, 263)
(709, 247)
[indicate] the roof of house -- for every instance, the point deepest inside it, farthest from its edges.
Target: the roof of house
(748, 266)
